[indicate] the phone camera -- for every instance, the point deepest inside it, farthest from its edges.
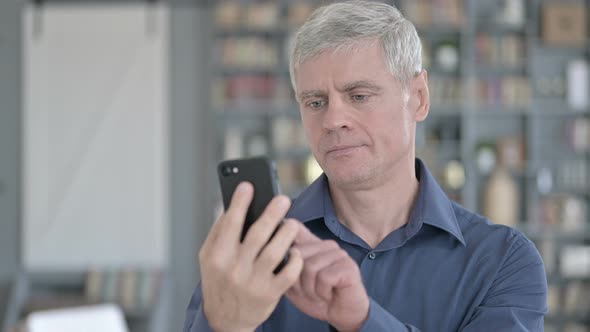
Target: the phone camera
(226, 171)
(229, 170)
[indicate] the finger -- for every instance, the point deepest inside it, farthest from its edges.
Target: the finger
(212, 236)
(313, 248)
(274, 252)
(290, 273)
(230, 226)
(314, 265)
(295, 290)
(330, 278)
(306, 236)
(261, 230)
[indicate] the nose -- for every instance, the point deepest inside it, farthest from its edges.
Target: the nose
(336, 116)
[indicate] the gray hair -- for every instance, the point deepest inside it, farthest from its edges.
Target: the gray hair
(342, 25)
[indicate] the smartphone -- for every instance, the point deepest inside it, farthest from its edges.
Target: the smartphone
(261, 172)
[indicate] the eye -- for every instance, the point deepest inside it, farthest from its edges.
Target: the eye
(315, 104)
(359, 98)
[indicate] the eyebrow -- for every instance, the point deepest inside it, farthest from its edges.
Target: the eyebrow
(311, 93)
(362, 84)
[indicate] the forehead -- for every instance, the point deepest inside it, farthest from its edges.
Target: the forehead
(340, 66)
(370, 48)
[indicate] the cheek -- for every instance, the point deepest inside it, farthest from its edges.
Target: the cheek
(394, 129)
(311, 130)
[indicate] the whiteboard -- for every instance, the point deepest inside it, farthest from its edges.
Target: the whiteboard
(96, 318)
(95, 136)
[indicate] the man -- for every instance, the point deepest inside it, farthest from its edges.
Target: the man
(377, 244)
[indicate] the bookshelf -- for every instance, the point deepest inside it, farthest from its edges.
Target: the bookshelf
(500, 96)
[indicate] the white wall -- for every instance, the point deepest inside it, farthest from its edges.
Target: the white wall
(95, 140)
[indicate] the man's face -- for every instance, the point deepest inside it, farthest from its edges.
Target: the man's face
(359, 123)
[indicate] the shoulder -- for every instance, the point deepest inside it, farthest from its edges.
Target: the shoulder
(510, 262)
(494, 241)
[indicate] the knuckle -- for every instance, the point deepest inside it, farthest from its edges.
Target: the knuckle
(235, 277)
(229, 216)
(255, 235)
(289, 278)
(323, 277)
(331, 244)
(277, 214)
(213, 265)
(312, 268)
(265, 222)
(267, 296)
(271, 255)
(342, 254)
(290, 229)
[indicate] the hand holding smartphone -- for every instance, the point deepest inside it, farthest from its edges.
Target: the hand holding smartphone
(261, 173)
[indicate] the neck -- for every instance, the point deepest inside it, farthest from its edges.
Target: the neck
(375, 212)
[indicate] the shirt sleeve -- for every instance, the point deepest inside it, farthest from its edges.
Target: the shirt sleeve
(195, 316)
(517, 298)
(195, 320)
(381, 320)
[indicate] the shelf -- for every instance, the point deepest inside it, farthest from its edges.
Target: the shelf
(258, 109)
(436, 73)
(499, 29)
(567, 318)
(438, 29)
(441, 109)
(271, 32)
(440, 33)
(500, 110)
(500, 70)
(555, 107)
(546, 113)
(555, 50)
(452, 143)
(551, 233)
(229, 70)
(554, 279)
(517, 175)
(572, 191)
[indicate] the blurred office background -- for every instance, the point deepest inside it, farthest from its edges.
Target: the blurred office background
(114, 114)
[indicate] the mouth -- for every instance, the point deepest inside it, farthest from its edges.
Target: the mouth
(343, 149)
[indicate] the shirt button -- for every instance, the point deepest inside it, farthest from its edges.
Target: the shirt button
(372, 255)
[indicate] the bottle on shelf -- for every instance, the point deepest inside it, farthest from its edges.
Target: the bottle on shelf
(502, 197)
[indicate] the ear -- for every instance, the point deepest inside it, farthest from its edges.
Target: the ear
(421, 95)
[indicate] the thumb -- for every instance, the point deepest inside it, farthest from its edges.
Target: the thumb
(304, 235)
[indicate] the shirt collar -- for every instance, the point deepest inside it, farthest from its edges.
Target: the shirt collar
(309, 205)
(432, 206)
